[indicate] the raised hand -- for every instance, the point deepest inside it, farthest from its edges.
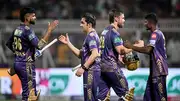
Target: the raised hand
(52, 25)
(64, 39)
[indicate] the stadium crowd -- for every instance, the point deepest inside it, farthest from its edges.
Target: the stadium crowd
(72, 9)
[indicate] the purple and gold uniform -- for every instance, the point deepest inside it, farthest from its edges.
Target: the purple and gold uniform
(92, 75)
(111, 74)
(156, 84)
(23, 43)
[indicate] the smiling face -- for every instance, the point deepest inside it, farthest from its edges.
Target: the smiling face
(84, 25)
(31, 18)
(147, 24)
(120, 20)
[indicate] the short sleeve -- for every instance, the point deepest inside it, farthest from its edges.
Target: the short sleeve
(91, 41)
(153, 39)
(32, 38)
(117, 40)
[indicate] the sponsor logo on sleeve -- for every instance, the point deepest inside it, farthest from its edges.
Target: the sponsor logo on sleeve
(92, 43)
(152, 42)
(153, 36)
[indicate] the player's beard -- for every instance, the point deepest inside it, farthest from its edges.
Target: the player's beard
(120, 25)
(148, 28)
(32, 22)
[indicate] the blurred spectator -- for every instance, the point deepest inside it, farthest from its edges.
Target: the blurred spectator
(68, 9)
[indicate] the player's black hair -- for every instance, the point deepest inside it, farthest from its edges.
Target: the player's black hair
(114, 13)
(24, 11)
(90, 18)
(152, 18)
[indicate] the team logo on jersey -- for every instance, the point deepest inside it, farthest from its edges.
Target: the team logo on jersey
(91, 34)
(152, 42)
(31, 36)
(117, 39)
(104, 32)
(92, 43)
(153, 36)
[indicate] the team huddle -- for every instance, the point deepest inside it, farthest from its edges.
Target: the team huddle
(102, 57)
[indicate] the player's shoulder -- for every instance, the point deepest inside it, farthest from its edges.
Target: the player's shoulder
(157, 33)
(27, 28)
(114, 31)
(92, 34)
(104, 31)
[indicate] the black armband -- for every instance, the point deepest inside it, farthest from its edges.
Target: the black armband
(83, 67)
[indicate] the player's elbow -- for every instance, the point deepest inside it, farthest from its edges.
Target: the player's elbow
(149, 49)
(79, 54)
(95, 53)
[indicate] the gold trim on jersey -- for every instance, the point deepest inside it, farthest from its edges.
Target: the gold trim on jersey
(41, 43)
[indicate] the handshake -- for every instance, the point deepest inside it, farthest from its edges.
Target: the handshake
(138, 43)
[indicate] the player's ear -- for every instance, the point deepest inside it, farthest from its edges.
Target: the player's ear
(115, 19)
(90, 25)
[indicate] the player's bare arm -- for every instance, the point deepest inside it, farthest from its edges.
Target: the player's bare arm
(144, 49)
(65, 40)
(122, 50)
(51, 27)
(91, 59)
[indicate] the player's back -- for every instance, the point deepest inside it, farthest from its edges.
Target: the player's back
(158, 56)
(21, 46)
(108, 39)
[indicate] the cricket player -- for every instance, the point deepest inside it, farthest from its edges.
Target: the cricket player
(89, 57)
(156, 84)
(111, 45)
(23, 43)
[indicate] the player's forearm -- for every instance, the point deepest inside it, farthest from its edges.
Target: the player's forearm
(91, 59)
(123, 50)
(47, 35)
(145, 49)
(44, 40)
(75, 50)
(127, 50)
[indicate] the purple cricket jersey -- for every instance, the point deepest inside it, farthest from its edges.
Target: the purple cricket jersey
(23, 43)
(91, 41)
(158, 58)
(91, 77)
(110, 38)
(111, 73)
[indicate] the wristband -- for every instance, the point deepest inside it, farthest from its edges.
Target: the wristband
(83, 67)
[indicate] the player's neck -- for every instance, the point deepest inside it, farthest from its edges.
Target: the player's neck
(90, 30)
(115, 26)
(26, 23)
(154, 28)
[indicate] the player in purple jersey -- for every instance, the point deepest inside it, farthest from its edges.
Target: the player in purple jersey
(23, 43)
(89, 55)
(156, 84)
(111, 47)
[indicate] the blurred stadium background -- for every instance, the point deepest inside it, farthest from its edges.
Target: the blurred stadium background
(54, 75)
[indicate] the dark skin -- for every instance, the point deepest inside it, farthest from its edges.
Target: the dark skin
(145, 49)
